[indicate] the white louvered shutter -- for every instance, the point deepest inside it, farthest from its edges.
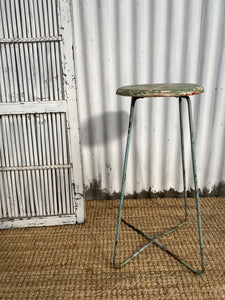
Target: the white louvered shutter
(40, 162)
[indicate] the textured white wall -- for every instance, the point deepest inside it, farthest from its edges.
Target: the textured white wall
(120, 42)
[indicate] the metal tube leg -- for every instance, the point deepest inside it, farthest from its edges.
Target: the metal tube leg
(196, 182)
(183, 157)
(124, 177)
(155, 239)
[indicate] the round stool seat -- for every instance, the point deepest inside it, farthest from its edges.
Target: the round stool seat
(160, 90)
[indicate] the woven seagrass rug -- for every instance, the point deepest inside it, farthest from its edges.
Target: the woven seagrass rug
(75, 262)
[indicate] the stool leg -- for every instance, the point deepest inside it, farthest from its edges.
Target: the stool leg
(124, 176)
(195, 182)
(183, 157)
(155, 239)
(196, 190)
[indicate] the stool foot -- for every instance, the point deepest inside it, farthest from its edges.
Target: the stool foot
(155, 239)
(152, 240)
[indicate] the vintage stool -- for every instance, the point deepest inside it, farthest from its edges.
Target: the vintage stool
(179, 90)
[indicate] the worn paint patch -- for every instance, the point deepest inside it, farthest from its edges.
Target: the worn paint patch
(94, 192)
(160, 90)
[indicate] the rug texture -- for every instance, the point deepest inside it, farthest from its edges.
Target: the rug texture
(75, 262)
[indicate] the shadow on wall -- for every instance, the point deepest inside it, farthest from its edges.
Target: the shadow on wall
(103, 129)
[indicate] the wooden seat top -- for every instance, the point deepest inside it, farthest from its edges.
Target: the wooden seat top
(160, 90)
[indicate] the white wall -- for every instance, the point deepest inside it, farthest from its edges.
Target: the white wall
(120, 42)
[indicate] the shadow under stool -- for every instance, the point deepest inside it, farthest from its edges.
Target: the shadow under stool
(181, 91)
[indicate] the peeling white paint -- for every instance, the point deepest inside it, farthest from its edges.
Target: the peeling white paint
(39, 155)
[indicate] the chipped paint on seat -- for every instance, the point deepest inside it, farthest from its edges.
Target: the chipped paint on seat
(160, 90)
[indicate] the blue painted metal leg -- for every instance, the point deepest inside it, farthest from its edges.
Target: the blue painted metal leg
(124, 176)
(183, 157)
(122, 199)
(196, 182)
(155, 239)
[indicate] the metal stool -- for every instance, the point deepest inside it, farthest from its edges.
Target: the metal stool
(180, 90)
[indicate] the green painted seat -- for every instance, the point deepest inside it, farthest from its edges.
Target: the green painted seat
(181, 91)
(160, 90)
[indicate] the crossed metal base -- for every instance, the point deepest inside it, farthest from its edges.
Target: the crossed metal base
(152, 240)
